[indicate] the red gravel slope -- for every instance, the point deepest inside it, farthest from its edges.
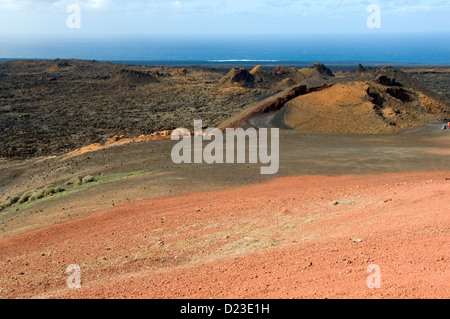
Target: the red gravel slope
(296, 237)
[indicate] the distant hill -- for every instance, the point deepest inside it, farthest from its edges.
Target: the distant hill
(125, 76)
(276, 78)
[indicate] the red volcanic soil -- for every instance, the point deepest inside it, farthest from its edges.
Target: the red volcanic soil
(295, 237)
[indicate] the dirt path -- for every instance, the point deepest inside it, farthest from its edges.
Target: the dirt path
(295, 237)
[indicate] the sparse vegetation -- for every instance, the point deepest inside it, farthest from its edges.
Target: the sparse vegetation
(79, 182)
(52, 190)
(25, 198)
(31, 196)
(88, 179)
(12, 201)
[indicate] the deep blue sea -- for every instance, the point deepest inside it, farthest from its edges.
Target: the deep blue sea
(400, 48)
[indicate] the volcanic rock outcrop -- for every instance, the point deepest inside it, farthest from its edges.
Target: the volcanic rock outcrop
(318, 69)
(278, 78)
(363, 107)
(238, 77)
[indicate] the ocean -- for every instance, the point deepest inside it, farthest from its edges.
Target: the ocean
(369, 48)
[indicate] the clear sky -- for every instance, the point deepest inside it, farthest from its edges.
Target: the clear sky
(220, 17)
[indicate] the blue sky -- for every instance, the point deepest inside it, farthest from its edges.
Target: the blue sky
(220, 17)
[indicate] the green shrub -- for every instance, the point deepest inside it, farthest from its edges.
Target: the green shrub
(77, 181)
(40, 194)
(25, 198)
(88, 179)
(46, 192)
(52, 190)
(49, 191)
(12, 201)
(59, 190)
